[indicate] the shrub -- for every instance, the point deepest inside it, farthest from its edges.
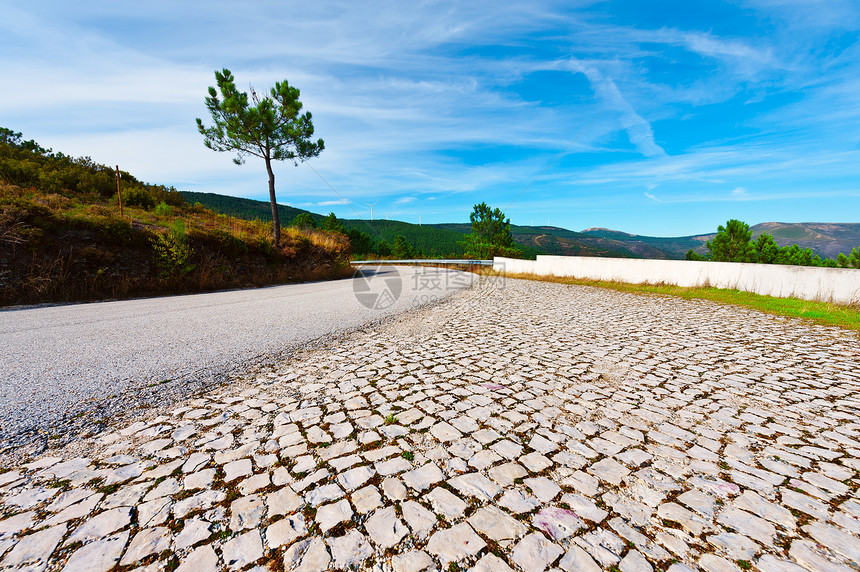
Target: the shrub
(304, 220)
(163, 209)
(138, 197)
(172, 252)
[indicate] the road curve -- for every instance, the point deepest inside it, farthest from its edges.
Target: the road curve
(58, 360)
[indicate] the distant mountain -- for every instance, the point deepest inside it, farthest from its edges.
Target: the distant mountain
(443, 239)
(825, 239)
(651, 246)
(553, 240)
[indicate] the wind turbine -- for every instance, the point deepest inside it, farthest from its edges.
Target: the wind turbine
(371, 209)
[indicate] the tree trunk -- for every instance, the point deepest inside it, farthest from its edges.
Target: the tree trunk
(276, 219)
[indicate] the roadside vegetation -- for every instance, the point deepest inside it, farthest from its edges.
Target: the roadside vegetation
(491, 235)
(63, 239)
(733, 243)
(819, 312)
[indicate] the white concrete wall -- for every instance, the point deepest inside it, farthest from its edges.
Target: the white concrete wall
(839, 285)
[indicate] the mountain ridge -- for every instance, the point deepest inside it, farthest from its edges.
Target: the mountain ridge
(825, 239)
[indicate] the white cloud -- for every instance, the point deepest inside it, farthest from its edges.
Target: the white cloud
(638, 130)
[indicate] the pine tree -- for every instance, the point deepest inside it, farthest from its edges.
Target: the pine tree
(271, 129)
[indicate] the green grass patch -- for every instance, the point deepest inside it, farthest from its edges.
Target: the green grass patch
(823, 313)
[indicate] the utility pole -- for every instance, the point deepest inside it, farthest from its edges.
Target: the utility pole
(118, 191)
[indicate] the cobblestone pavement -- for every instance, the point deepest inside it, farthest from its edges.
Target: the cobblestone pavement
(533, 427)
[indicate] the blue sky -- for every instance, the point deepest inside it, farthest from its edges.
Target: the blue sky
(653, 118)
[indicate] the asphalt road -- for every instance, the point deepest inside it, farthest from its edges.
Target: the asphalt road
(57, 361)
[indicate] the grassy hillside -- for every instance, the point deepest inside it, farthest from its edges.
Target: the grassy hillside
(62, 238)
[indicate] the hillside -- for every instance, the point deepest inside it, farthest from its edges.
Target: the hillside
(650, 246)
(433, 241)
(825, 239)
(563, 242)
(63, 238)
(247, 209)
(443, 239)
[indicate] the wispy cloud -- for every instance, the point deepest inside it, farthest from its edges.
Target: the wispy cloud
(638, 130)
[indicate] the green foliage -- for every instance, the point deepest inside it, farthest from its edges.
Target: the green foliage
(163, 209)
(331, 224)
(854, 258)
(732, 243)
(767, 251)
(15, 139)
(137, 197)
(402, 250)
(172, 252)
(304, 220)
(272, 128)
(693, 255)
(491, 234)
(383, 249)
(430, 241)
(361, 242)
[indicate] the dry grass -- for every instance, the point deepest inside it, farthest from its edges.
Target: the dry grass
(823, 313)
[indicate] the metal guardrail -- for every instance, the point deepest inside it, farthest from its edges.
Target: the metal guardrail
(454, 261)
